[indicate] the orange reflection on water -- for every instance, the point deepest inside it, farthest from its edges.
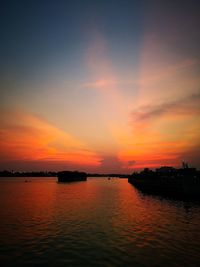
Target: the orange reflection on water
(80, 221)
(143, 219)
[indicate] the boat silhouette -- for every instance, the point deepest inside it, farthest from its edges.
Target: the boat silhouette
(71, 176)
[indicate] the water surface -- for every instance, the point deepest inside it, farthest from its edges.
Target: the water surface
(100, 222)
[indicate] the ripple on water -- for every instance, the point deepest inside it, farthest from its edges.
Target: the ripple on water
(96, 223)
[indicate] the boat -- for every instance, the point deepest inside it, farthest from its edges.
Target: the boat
(168, 181)
(71, 176)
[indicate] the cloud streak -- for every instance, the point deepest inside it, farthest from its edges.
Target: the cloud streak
(27, 137)
(187, 106)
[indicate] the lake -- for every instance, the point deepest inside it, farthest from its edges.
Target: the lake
(100, 222)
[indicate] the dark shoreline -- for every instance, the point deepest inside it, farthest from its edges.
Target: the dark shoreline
(181, 183)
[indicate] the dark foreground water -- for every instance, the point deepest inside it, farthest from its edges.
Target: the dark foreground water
(100, 222)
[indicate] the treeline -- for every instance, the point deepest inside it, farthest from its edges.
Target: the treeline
(27, 174)
(6, 173)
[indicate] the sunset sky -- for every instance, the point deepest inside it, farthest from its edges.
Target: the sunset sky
(100, 86)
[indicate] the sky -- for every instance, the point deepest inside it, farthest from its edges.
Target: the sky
(99, 86)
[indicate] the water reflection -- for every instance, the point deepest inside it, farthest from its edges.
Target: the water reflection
(100, 222)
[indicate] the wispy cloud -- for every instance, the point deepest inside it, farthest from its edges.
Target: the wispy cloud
(101, 84)
(186, 106)
(27, 137)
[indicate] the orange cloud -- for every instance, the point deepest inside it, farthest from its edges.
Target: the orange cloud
(24, 136)
(163, 140)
